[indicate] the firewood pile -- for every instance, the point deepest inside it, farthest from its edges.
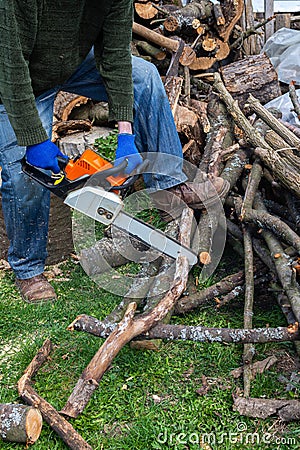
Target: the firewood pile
(226, 131)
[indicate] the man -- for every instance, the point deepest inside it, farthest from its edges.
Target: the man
(79, 46)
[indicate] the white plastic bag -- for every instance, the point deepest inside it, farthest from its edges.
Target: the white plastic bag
(285, 106)
(283, 49)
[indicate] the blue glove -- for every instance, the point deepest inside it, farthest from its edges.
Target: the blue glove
(44, 155)
(126, 149)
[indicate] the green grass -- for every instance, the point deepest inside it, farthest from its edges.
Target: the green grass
(147, 400)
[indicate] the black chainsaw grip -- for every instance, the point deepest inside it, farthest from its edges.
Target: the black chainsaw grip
(98, 178)
(62, 162)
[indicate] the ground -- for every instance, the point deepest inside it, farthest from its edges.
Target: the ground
(176, 397)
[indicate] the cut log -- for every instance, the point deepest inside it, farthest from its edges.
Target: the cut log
(151, 50)
(64, 127)
(188, 55)
(209, 44)
(20, 423)
(254, 74)
(222, 50)
(219, 16)
(183, 18)
(65, 102)
(145, 10)
(95, 327)
(62, 427)
(286, 410)
(187, 124)
(232, 12)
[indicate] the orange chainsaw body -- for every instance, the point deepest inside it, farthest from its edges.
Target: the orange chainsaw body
(89, 163)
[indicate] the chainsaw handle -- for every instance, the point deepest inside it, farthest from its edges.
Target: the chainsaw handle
(62, 186)
(99, 177)
(62, 162)
(59, 186)
(140, 169)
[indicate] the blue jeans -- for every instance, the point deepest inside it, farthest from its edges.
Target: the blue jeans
(25, 203)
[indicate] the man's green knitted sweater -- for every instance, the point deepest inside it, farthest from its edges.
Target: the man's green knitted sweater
(42, 42)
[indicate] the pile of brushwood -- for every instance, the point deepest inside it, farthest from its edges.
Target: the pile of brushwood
(226, 131)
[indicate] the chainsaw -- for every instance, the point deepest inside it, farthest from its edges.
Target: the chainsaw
(93, 186)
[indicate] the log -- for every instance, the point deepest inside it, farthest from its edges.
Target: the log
(94, 112)
(20, 423)
(65, 102)
(145, 10)
(188, 55)
(95, 327)
(249, 349)
(283, 264)
(219, 16)
(232, 12)
(287, 175)
(201, 110)
(220, 135)
(252, 74)
(62, 427)
(188, 125)
(290, 138)
(183, 18)
(206, 62)
(189, 302)
(286, 410)
(268, 222)
(250, 41)
(64, 127)
(284, 172)
(151, 50)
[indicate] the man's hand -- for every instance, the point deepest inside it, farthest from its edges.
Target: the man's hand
(126, 149)
(44, 155)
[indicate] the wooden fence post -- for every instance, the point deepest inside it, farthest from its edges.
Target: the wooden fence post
(269, 11)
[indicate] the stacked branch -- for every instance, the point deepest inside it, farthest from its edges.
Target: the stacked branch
(203, 25)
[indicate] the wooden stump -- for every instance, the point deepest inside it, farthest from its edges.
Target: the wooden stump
(20, 423)
(60, 241)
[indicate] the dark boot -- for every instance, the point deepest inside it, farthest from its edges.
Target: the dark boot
(36, 289)
(202, 195)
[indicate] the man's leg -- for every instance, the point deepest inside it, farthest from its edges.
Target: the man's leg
(25, 203)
